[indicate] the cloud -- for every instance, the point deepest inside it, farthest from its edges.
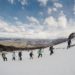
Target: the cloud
(50, 10)
(55, 0)
(52, 27)
(21, 30)
(9, 30)
(23, 2)
(51, 21)
(42, 34)
(11, 1)
(15, 18)
(44, 26)
(43, 2)
(60, 22)
(6, 27)
(58, 5)
(32, 20)
(60, 26)
(54, 9)
(74, 9)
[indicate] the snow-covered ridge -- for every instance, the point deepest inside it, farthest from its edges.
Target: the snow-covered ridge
(62, 62)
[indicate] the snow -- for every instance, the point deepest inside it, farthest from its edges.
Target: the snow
(62, 62)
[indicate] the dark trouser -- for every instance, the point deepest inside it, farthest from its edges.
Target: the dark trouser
(51, 52)
(31, 56)
(5, 58)
(69, 44)
(13, 58)
(20, 58)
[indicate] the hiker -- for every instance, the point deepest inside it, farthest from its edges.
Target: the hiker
(40, 53)
(69, 43)
(31, 55)
(4, 57)
(13, 56)
(69, 40)
(20, 55)
(51, 50)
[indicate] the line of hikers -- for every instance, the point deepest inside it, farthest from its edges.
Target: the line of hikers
(51, 49)
(20, 55)
(13, 56)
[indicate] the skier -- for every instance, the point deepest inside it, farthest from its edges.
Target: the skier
(51, 50)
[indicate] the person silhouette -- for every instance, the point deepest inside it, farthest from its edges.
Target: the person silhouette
(69, 43)
(51, 50)
(4, 57)
(70, 39)
(20, 55)
(31, 55)
(40, 53)
(13, 56)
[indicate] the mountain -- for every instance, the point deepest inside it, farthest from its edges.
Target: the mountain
(62, 62)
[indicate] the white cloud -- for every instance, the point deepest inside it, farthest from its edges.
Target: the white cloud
(59, 25)
(11, 1)
(55, 0)
(23, 2)
(7, 27)
(3, 25)
(55, 27)
(51, 10)
(51, 21)
(42, 34)
(32, 20)
(15, 18)
(74, 9)
(61, 21)
(18, 30)
(21, 29)
(54, 9)
(58, 5)
(9, 30)
(43, 2)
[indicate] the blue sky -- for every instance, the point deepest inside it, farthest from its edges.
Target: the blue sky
(41, 17)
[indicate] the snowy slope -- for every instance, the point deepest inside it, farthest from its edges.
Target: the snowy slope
(62, 62)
